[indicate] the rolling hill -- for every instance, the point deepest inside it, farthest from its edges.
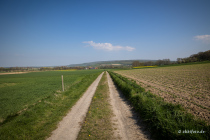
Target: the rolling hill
(98, 63)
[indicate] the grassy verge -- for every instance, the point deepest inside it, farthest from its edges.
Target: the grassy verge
(97, 124)
(19, 91)
(38, 120)
(165, 120)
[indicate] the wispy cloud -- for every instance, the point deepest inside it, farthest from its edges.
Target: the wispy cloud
(203, 38)
(108, 46)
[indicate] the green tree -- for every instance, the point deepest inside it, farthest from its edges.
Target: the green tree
(135, 64)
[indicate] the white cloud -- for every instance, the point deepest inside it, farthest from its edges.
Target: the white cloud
(108, 46)
(203, 38)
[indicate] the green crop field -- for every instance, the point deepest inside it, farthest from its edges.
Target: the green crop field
(31, 104)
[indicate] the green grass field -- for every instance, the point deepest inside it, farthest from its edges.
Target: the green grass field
(32, 104)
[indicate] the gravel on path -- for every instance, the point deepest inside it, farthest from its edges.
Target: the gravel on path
(127, 123)
(69, 127)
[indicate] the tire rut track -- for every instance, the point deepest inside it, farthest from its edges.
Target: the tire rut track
(129, 125)
(69, 127)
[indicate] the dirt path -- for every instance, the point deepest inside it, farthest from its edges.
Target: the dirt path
(70, 126)
(127, 123)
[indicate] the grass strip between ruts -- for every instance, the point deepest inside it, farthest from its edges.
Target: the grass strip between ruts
(97, 124)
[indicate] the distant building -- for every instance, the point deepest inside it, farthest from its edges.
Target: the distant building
(110, 64)
(91, 68)
(116, 64)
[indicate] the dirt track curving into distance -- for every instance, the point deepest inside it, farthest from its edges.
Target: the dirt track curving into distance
(127, 124)
(70, 126)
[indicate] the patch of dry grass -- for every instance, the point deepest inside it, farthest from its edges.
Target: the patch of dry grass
(7, 84)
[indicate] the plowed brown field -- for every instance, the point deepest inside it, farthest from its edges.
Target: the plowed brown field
(188, 85)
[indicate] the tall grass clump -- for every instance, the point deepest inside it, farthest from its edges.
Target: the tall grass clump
(164, 120)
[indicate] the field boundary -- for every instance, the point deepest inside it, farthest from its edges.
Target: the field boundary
(128, 123)
(185, 85)
(164, 120)
(39, 117)
(70, 126)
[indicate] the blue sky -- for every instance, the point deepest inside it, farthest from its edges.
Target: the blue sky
(50, 33)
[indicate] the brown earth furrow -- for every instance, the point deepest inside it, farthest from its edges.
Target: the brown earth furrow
(170, 96)
(181, 93)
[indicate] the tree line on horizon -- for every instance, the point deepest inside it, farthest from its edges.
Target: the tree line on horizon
(151, 63)
(20, 69)
(201, 56)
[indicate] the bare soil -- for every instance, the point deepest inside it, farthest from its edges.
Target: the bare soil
(70, 126)
(13, 73)
(126, 122)
(178, 86)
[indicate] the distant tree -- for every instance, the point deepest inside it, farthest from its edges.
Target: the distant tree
(141, 64)
(179, 60)
(163, 62)
(2, 69)
(201, 56)
(184, 60)
(148, 63)
(159, 62)
(207, 55)
(166, 61)
(135, 64)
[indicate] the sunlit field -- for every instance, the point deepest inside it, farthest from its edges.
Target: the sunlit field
(33, 101)
(188, 85)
